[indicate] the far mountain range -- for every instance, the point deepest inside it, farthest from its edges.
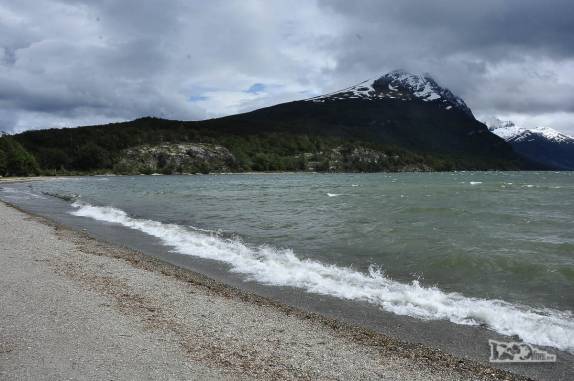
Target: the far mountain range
(396, 122)
(542, 144)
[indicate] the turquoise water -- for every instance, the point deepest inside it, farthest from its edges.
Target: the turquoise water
(462, 246)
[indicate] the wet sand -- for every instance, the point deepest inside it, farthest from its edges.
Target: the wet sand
(74, 307)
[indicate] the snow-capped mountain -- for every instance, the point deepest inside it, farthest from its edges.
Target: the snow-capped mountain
(542, 144)
(397, 122)
(400, 85)
(513, 133)
(406, 111)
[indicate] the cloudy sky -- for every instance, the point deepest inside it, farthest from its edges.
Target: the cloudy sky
(77, 62)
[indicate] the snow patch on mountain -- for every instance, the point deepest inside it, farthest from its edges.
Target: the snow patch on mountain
(552, 134)
(421, 86)
(510, 132)
(399, 85)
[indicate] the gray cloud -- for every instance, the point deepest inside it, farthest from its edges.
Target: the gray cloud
(65, 62)
(493, 27)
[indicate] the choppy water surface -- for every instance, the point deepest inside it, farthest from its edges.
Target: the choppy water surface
(490, 248)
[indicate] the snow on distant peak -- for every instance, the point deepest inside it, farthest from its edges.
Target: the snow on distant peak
(552, 134)
(402, 86)
(513, 133)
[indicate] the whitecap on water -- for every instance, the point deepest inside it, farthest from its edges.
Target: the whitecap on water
(281, 267)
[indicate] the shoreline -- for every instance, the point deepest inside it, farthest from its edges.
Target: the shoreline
(418, 355)
(8, 180)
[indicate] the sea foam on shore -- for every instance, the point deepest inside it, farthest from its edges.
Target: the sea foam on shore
(281, 267)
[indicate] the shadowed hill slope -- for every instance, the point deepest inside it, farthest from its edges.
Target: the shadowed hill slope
(397, 122)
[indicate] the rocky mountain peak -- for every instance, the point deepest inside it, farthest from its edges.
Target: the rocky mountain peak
(403, 86)
(510, 132)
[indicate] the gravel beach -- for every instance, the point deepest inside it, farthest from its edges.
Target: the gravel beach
(72, 307)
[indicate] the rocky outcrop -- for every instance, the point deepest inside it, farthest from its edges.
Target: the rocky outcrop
(171, 158)
(355, 158)
(358, 159)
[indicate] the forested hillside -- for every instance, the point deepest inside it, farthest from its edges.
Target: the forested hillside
(103, 148)
(398, 122)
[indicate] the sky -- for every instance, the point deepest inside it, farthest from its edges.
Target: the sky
(65, 63)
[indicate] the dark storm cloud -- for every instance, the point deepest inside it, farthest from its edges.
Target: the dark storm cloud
(503, 57)
(65, 62)
(489, 26)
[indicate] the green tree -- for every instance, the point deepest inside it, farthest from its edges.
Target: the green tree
(15, 160)
(92, 156)
(3, 160)
(53, 158)
(261, 162)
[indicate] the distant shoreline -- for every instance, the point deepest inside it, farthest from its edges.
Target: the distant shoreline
(16, 179)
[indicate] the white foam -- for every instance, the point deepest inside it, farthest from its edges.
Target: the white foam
(281, 267)
(475, 182)
(334, 194)
(18, 194)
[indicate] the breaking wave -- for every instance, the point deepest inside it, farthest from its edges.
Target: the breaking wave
(281, 267)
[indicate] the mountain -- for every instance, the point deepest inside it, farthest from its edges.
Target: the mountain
(541, 144)
(397, 109)
(397, 122)
(402, 86)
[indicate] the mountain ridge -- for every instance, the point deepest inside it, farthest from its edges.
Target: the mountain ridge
(401, 121)
(542, 144)
(509, 131)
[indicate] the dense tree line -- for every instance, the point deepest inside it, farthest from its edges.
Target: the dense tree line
(15, 160)
(291, 136)
(99, 148)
